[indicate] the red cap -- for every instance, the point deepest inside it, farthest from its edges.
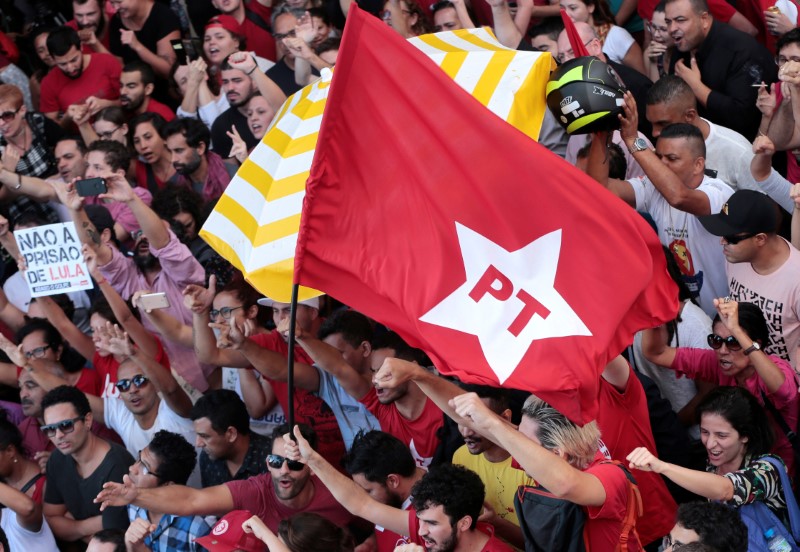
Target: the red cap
(228, 535)
(227, 22)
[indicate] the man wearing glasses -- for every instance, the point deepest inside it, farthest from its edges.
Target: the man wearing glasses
(711, 523)
(284, 20)
(762, 267)
(287, 488)
(78, 468)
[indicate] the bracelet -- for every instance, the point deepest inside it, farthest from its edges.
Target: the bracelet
(252, 70)
(19, 182)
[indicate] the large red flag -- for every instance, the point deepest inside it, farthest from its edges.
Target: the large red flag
(575, 40)
(432, 215)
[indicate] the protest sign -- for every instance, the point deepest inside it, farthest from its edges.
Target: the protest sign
(53, 256)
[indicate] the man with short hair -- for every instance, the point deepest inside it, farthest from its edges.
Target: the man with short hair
(107, 540)
(384, 467)
(77, 78)
(728, 153)
(89, 19)
(229, 450)
(710, 523)
(198, 167)
(255, 29)
(238, 88)
(445, 17)
(675, 191)
(284, 21)
(136, 86)
(762, 267)
(167, 460)
(447, 501)
(79, 467)
(286, 489)
(544, 36)
(720, 64)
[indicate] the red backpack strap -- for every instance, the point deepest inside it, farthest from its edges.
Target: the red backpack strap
(633, 507)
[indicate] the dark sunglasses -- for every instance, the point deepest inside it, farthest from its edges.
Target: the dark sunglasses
(8, 116)
(275, 462)
(138, 380)
(65, 426)
(716, 341)
(733, 240)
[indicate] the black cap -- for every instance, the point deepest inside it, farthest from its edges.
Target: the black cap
(746, 212)
(100, 216)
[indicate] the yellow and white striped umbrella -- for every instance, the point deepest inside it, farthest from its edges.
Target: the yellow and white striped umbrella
(256, 221)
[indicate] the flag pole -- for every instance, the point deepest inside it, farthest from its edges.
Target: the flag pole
(290, 357)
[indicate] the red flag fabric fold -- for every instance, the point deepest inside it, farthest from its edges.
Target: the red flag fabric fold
(430, 214)
(575, 40)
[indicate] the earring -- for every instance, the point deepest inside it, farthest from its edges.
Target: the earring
(16, 460)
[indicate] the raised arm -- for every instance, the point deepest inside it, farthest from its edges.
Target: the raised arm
(345, 490)
(257, 393)
(549, 470)
(68, 330)
(597, 168)
(782, 128)
(245, 62)
(198, 300)
(161, 60)
(87, 232)
(152, 226)
(708, 485)
(10, 315)
(656, 348)
(167, 325)
(504, 28)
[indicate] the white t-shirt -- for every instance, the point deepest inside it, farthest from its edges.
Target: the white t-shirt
(698, 253)
(693, 328)
(729, 153)
(778, 296)
(120, 419)
(21, 539)
(617, 43)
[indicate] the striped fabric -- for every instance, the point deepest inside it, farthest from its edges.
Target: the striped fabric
(255, 223)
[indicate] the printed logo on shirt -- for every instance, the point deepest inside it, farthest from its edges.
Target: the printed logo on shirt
(773, 312)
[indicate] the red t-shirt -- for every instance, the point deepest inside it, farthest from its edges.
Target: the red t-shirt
(419, 435)
(625, 425)
(100, 78)
(308, 408)
(86, 48)
(604, 524)
(106, 368)
(259, 40)
(154, 106)
(387, 540)
(258, 495)
(492, 545)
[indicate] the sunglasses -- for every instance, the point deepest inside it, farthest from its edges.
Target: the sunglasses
(8, 116)
(275, 462)
(224, 312)
(64, 426)
(138, 380)
(716, 341)
(38, 352)
(733, 240)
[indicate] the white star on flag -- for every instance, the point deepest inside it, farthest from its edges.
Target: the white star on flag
(508, 300)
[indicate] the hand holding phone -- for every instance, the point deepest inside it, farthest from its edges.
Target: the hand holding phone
(91, 187)
(151, 301)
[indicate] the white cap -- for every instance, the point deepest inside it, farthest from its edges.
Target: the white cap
(312, 303)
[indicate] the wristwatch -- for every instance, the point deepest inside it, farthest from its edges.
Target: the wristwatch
(754, 347)
(640, 144)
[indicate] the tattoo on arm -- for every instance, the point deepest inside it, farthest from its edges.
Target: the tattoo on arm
(92, 233)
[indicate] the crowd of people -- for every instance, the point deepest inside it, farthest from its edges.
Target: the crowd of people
(135, 424)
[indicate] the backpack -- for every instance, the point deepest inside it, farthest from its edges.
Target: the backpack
(759, 518)
(552, 524)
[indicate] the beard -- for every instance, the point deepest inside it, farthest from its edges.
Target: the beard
(145, 262)
(188, 168)
(133, 105)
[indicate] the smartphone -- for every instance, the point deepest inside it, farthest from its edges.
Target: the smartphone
(180, 51)
(151, 301)
(186, 50)
(91, 187)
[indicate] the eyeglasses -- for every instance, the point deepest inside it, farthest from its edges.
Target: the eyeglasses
(38, 352)
(138, 380)
(225, 312)
(145, 469)
(64, 426)
(8, 116)
(281, 36)
(733, 240)
(667, 541)
(716, 341)
(570, 54)
(656, 29)
(386, 15)
(275, 462)
(107, 134)
(780, 60)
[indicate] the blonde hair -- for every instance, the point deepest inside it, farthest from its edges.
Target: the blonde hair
(556, 431)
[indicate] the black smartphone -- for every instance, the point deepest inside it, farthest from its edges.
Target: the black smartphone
(180, 51)
(91, 187)
(193, 48)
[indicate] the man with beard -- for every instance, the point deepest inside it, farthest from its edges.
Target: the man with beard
(238, 88)
(199, 168)
(136, 85)
(90, 22)
(447, 501)
(383, 466)
(160, 263)
(90, 80)
(288, 488)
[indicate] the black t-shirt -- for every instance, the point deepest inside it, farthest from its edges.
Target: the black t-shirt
(65, 486)
(220, 143)
(283, 76)
(161, 22)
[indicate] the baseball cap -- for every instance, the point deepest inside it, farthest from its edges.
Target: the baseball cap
(746, 212)
(228, 535)
(313, 302)
(227, 22)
